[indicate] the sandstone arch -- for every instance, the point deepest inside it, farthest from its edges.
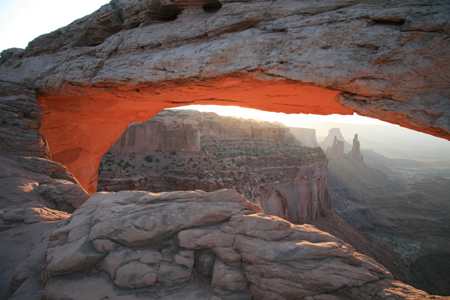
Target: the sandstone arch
(129, 60)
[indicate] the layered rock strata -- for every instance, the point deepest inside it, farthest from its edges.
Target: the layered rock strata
(171, 133)
(181, 131)
(35, 192)
(305, 136)
(130, 59)
(34, 188)
(261, 160)
(199, 245)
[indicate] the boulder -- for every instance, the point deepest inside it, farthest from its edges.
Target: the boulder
(237, 254)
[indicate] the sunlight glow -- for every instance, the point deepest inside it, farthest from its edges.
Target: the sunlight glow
(292, 120)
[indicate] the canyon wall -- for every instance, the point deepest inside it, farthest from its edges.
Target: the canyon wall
(180, 131)
(305, 136)
(172, 133)
(261, 160)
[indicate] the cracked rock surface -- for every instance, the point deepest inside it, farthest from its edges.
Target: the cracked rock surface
(198, 245)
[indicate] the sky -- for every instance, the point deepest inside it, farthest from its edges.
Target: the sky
(292, 120)
(388, 139)
(21, 21)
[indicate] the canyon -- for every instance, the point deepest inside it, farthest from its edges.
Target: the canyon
(267, 165)
(408, 214)
(67, 98)
(191, 150)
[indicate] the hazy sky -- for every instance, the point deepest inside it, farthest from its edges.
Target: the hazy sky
(293, 120)
(21, 21)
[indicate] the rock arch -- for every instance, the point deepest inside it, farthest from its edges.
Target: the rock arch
(127, 61)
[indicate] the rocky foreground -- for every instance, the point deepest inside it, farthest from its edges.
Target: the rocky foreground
(198, 245)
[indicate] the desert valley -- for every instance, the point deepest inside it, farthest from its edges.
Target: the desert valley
(399, 208)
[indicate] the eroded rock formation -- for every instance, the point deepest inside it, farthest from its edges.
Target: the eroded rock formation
(305, 136)
(330, 140)
(131, 59)
(336, 150)
(204, 246)
(356, 154)
(261, 160)
(180, 131)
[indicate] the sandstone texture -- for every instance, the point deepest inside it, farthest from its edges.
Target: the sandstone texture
(22, 250)
(182, 130)
(33, 188)
(197, 245)
(130, 59)
(71, 93)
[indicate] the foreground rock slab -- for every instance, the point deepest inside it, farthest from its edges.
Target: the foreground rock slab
(198, 245)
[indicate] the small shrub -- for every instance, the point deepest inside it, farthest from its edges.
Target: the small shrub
(148, 158)
(173, 153)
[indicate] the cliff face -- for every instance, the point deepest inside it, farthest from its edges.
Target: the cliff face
(180, 131)
(305, 136)
(172, 133)
(300, 196)
(259, 159)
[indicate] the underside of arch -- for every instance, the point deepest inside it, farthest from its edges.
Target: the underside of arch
(81, 124)
(130, 59)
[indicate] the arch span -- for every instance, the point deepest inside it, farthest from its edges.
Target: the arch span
(80, 129)
(127, 61)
